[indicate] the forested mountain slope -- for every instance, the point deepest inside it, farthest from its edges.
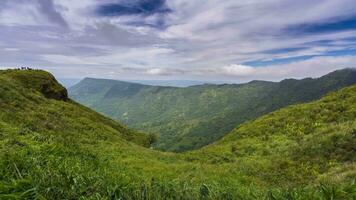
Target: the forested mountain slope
(189, 118)
(52, 148)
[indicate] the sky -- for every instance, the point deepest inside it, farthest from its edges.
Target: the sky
(232, 40)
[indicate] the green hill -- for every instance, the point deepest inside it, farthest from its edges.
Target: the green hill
(189, 118)
(53, 148)
(304, 140)
(29, 97)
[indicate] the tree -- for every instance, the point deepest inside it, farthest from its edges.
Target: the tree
(152, 138)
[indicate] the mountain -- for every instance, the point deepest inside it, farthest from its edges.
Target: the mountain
(54, 148)
(189, 118)
(295, 141)
(68, 82)
(172, 83)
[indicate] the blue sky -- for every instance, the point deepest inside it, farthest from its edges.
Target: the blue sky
(179, 39)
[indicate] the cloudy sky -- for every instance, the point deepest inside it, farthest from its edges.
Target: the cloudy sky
(237, 40)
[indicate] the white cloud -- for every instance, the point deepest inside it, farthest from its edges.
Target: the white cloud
(11, 49)
(314, 67)
(25, 14)
(156, 71)
(203, 39)
(163, 72)
(134, 57)
(237, 70)
(69, 60)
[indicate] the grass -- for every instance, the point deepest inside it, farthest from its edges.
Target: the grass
(57, 149)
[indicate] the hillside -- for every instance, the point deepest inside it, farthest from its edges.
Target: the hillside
(189, 118)
(53, 148)
(304, 140)
(29, 97)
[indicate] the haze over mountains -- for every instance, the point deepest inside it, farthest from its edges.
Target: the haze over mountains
(53, 148)
(173, 83)
(69, 82)
(189, 118)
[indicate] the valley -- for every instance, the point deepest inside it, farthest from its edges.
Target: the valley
(177, 100)
(53, 148)
(192, 117)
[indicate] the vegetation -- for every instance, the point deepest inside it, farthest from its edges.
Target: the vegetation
(56, 149)
(33, 101)
(189, 118)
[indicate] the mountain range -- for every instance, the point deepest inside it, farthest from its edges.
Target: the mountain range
(191, 117)
(54, 148)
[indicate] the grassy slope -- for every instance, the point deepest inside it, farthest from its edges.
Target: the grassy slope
(188, 118)
(57, 149)
(33, 101)
(304, 140)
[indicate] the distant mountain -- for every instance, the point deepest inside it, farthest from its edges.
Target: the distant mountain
(189, 118)
(172, 83)
(68, 82)
(54, 148)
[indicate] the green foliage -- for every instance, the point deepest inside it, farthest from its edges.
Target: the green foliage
(58, 149)
(28, 101)
(39, 81)
(189, 118)
(152, 138)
